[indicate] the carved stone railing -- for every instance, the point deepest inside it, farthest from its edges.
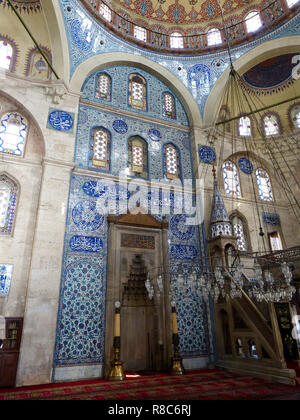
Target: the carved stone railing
(272, 15)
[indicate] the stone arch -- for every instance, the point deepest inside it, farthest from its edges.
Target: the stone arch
(58, 38)
(248, 60)
(242, 217)
(102, 61)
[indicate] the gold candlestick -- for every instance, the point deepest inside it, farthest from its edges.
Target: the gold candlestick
(177, 366)
(117, 372)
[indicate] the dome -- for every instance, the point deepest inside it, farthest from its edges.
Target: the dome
(191, 25)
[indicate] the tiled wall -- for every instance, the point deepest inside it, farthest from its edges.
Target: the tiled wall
(81, 317)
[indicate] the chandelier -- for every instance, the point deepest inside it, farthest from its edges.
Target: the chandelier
(221, 283)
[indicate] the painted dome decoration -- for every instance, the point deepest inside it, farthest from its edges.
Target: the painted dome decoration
(271, 73)
(25, 6)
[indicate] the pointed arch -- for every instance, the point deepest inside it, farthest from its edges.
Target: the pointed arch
(58, 38)
(102, 61)
(245, 62)
(241, 231)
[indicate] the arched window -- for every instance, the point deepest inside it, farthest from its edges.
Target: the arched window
(176, 40)
(264, 185)
(231, 179)
(13, 132)
(140, 33)
(8, 199)
(295, 116)
(105, 12)
(169, 105)
(253, 21)
(239, 229)
(137, 92)
(6, 54)
(214, 37)
(138, 157)
(171, 162)
(271, 125)
(245, 127)
(103, 86)
(100, 148)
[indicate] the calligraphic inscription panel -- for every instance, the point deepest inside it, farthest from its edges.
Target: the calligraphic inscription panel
(61, 120)
(129, 240)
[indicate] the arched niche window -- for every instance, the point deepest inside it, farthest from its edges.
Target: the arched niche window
(8, 200)
(6, 55)
(103, 86)
(13, 133)
(176, 40)
(231, 179)
(271, 125)
(245, 129)
(100, 148)
(169, 105)
(171, 162)
(264, 185)
(140, 33)
(295, 116)
(137, 92)
(253, 21)
(138, 157)
(214, 37)
(240, 231)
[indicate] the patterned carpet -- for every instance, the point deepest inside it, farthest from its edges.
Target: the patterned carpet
(196, 385)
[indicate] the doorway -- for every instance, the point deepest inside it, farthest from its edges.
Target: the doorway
(137, 245)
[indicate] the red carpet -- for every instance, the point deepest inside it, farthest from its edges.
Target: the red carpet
(196, 385)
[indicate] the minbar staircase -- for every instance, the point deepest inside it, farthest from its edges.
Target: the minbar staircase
(249, 343)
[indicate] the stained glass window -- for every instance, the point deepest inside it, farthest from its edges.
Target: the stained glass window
(138, 157)
(103, 88)
(137, 92)
(253, 21)
(176, 40)
(271, 125)
(100, 148)
(169, 105)
(6, 53)
(140, 33)
(171, 162)
(231, 179)
(245, 127)
(214, 37)
(8, 198)
(264, 185)
(13, 132)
